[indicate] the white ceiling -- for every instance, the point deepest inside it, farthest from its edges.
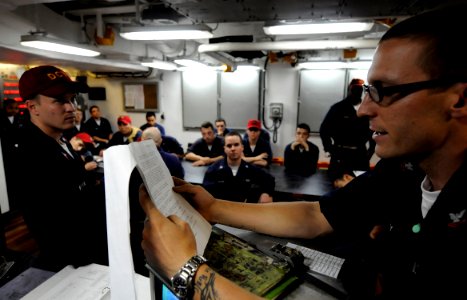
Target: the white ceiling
(77, 20)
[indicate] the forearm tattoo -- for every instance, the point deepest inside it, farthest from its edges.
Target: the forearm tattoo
(205, 285)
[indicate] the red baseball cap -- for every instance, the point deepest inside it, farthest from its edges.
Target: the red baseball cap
(124, 119)
(49, 81)
(252, 123)
(85, 137)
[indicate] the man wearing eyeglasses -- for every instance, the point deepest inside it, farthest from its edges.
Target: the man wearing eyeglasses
(406, 220)
(63, 212)
(345, 135)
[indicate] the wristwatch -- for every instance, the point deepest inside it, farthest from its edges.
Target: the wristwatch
(182, 281)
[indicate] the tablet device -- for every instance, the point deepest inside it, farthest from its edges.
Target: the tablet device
(160, 288)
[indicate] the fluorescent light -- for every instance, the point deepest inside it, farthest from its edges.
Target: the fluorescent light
(247, 68)
(317, 28)
(160, 64)
(49, 44)
(289, 45)
(166, 32)
(190, 63)
(326, 65)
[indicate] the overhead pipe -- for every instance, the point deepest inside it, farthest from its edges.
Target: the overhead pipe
(288, 45)
(221, 58)
(99, 25)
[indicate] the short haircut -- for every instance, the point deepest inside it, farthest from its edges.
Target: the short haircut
(304, 126)
(207, 125)
(152, 133)
(220, 120)
(92, 107)
(441, 31)
(150, 114)
(356, 86)
(234, 133)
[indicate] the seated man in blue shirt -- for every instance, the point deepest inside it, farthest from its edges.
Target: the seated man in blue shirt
(221, 127)
(171, 145)
(234, 179)
(151, 121)
(301, 156)
(256, 150)
(208, 149)
(171, 161)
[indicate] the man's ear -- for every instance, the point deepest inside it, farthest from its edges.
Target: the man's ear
(31, 106)
(461, 102)
(459, 109)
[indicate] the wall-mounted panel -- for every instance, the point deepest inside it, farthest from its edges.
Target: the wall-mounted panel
(239, 100)
(319, 89)
(199, 97)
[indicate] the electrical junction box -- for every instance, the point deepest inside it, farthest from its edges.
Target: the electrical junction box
(276, 110)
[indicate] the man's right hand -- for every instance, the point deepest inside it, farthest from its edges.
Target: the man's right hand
(199, 198)
(168, 242)
(199, 163)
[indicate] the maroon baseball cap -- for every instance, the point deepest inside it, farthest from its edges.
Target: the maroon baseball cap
(124, 119)
(49, 81)
(252, 123)
(357, 81)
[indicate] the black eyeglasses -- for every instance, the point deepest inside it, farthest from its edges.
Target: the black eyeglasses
(377, 92)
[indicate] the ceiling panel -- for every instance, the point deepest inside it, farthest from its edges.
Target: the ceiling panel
(226, 17)
(212, 11)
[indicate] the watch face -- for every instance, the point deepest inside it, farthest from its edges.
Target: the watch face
(180, 286)
(182, 283)
(179, 282)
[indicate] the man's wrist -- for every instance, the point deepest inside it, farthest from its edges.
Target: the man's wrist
(183, 280)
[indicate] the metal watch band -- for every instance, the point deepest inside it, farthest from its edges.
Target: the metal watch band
(182, 281)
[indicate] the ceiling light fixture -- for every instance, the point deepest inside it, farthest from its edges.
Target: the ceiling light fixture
(160, 64)
(248, 68)
(290, 45)
(40, 41)
(316, 28)
(326, 65)
(190, 63)
(166, 32)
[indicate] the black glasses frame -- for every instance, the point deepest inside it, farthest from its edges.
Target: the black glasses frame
(377, 92)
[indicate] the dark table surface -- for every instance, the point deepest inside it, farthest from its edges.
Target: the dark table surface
(298, 186)
(287, 185)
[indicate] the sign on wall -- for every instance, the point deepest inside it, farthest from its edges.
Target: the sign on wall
(141, 96)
